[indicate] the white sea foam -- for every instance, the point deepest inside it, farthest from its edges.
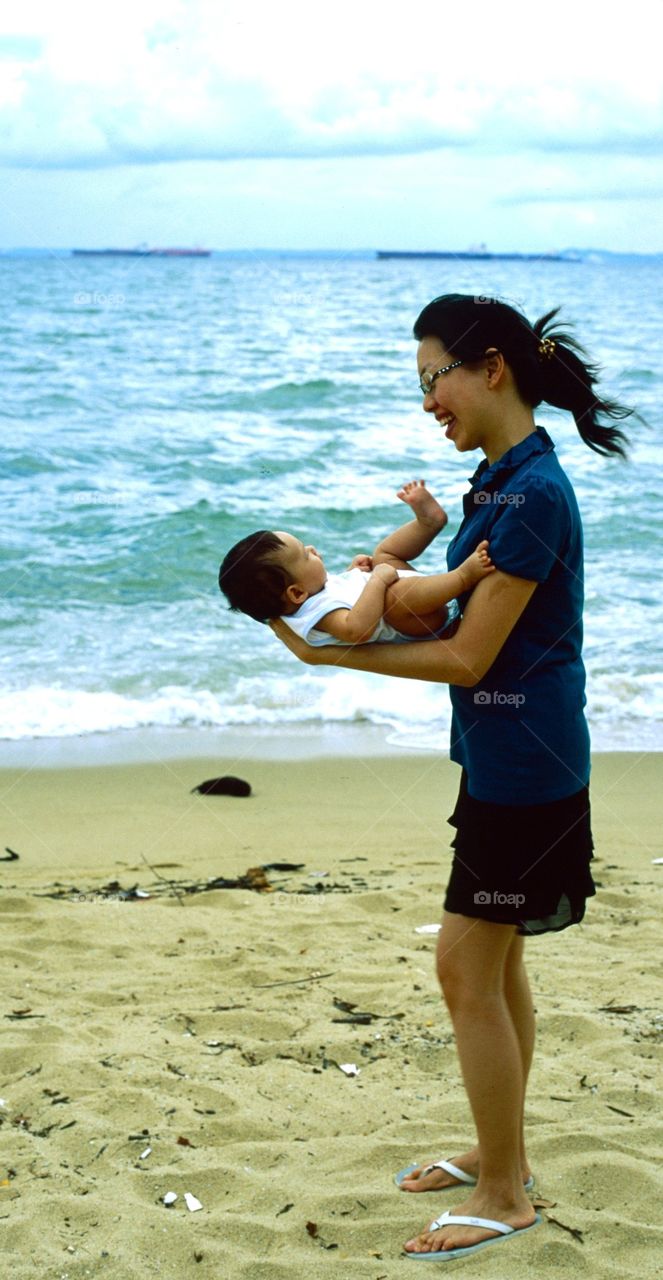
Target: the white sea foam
(624, 713)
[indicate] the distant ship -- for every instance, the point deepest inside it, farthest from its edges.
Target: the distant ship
(142, 252)
(476, 255)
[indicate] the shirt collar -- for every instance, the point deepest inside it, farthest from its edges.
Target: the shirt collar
(537, 442)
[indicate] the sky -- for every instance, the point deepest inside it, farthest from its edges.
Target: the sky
(352, 125)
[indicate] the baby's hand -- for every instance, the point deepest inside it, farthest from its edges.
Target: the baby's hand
(386, 573)
(362, 562)
(426, 508)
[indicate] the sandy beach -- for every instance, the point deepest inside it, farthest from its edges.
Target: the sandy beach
(192, 1042)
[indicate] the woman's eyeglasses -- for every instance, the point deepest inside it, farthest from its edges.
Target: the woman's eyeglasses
(427, 380)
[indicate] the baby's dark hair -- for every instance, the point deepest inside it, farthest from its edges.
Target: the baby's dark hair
(251, 578)
(548, 363)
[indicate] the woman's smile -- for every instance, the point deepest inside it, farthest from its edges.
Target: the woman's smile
(432, 357)
(448, 421)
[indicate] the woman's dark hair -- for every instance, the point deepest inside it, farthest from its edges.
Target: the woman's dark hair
(547, 363)
(252, 580)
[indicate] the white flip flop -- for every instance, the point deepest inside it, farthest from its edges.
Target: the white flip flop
(451, 1168)
(452, 1219)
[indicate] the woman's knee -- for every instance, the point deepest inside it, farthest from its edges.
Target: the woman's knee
(462, 995)
(449, 974)
(456, 984)
(471, 961)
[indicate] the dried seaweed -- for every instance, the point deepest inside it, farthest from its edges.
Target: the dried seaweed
(353, 1015)
(254, 879)
(313, 1231)
(573, 1231)
(293, 982)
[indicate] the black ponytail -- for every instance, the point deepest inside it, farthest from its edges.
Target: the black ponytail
(568, 381)
(547, 363)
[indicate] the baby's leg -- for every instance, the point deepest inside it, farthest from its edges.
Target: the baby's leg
(416, 606)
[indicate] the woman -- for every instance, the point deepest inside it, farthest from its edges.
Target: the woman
(523, 844)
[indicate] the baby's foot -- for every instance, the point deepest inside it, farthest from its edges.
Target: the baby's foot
(476, 566)
(426, 508)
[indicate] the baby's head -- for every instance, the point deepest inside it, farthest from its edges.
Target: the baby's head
(270, 574)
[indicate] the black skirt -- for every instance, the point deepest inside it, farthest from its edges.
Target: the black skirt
(526, 865)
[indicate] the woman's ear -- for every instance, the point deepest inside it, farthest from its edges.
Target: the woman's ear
(495, 366)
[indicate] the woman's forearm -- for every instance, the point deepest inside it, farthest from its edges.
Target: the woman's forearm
(438, 661)
(491, 614)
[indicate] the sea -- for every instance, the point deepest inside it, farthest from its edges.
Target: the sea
(155, 411)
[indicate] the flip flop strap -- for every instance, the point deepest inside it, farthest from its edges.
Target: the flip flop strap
(453, 1219)
(453, 1169)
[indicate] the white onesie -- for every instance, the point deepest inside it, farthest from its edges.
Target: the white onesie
(342, 591)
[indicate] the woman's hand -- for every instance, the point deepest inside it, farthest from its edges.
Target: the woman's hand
(305, 652)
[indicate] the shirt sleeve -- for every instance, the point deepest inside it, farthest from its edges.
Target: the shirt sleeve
(531, 532)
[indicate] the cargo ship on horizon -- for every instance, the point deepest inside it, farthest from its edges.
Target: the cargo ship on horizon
(143, 251)
(476, 255)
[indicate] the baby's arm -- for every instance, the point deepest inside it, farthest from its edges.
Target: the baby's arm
(411, 539)
(356, 625)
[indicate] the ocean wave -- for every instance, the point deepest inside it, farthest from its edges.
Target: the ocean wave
(40, 711)
(624, 712)
(289, 395)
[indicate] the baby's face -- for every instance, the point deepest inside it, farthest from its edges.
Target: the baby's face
(303, 563)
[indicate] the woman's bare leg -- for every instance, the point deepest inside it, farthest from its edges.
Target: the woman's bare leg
(472, 956)
(519, 1000)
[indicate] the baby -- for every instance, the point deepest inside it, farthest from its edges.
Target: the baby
(379, 598)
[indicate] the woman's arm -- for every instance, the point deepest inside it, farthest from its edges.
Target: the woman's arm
(491, 614)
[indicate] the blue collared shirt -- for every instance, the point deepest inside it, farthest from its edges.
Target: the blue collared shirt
(521, 733)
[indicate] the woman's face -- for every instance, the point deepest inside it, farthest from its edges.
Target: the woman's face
(457, 398)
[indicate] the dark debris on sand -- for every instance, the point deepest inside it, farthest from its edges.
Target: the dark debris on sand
(255, 879)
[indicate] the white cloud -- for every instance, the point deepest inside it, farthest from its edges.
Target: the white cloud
(184, 121)
(149, 82)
